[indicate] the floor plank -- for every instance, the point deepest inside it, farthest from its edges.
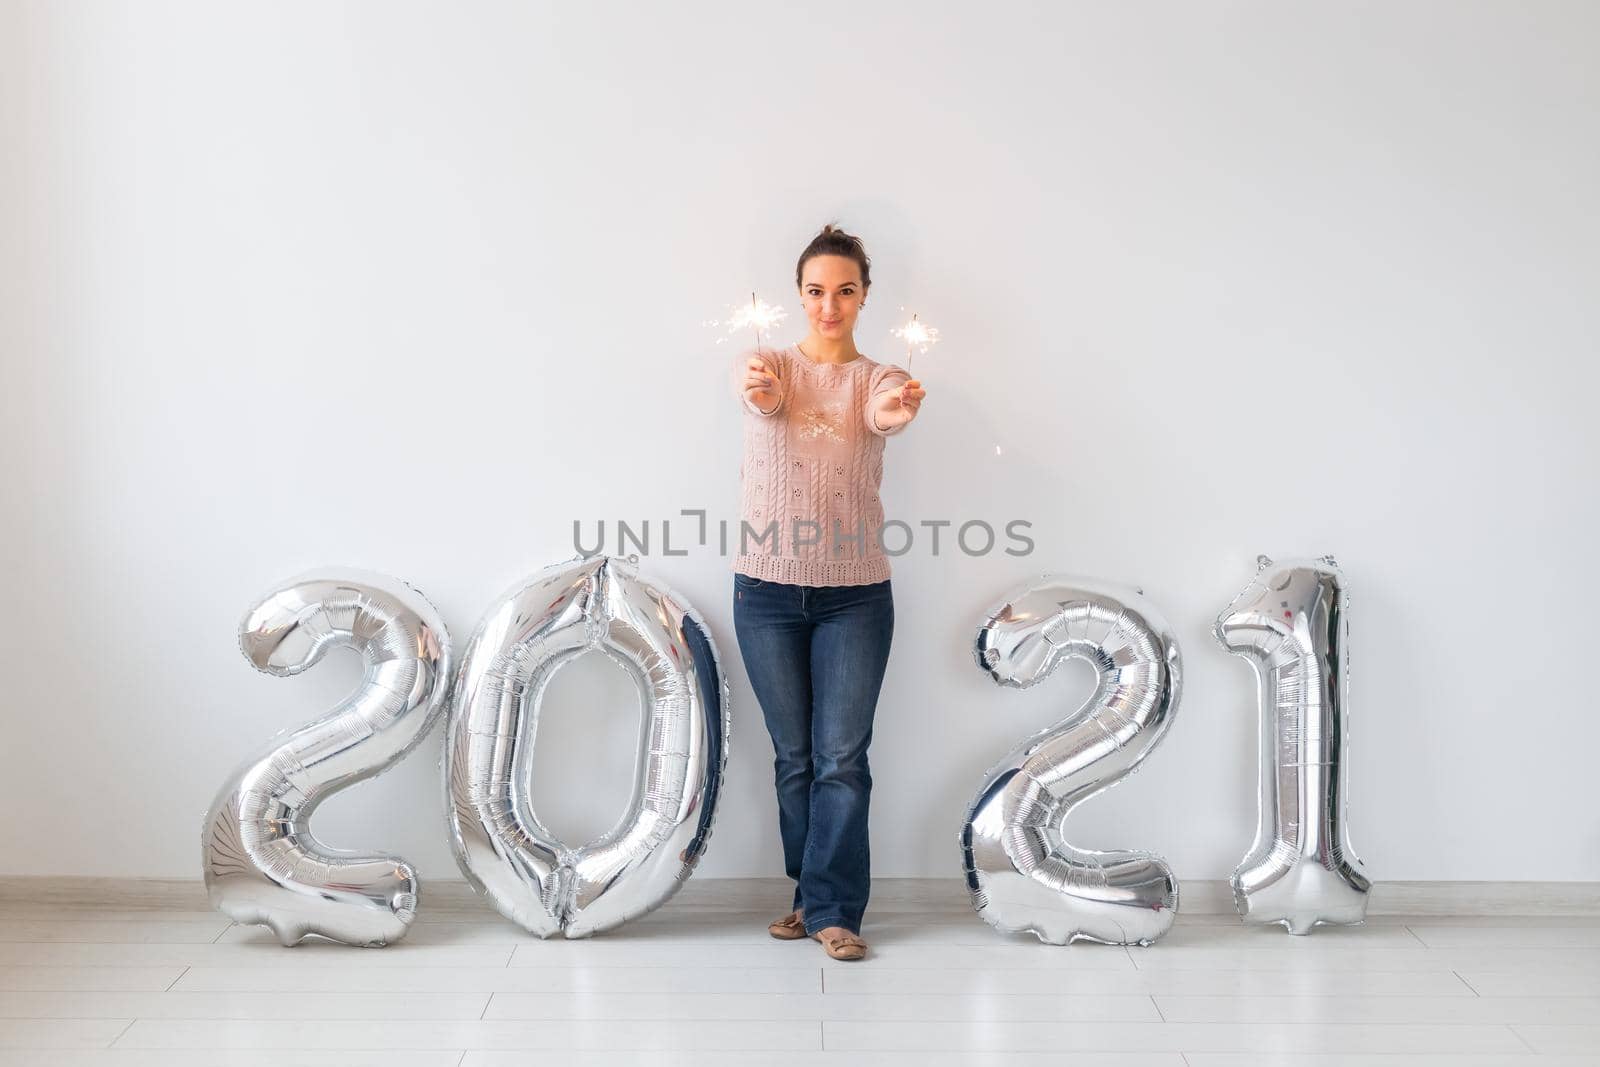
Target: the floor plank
(176, 1005)
(1373, 1009)
(835, 1059)
(488, 1034)
(819, 1006)
(1454, 1059)
(1457, 936)
(110, 933)
(60, 1033)
(96, 979)
(1334, 958)
(1531, 984)
(313, 979)
(1305, 983)
(1562, 1039)
(122, 1057)
(1176, 1037)
(308, 954)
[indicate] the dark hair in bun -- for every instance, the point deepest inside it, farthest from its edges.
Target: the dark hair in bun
(833, 241)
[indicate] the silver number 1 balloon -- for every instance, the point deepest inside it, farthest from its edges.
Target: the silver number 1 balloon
(533, 879)
(262, 865)
(1290, 625)
(1021, 872)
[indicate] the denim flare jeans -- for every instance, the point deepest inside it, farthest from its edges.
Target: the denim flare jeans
(816, 657)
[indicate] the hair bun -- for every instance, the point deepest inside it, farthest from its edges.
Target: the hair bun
(833, 240)
(838, 234)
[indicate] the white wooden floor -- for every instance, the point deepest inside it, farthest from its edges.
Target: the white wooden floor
(705, 986)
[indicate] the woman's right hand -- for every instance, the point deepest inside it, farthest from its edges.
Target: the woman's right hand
(761, 386)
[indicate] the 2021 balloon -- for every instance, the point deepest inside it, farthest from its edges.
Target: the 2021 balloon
(1291, 625)
(261, 862)
(262, 865)
(1021, 872)
(545, 886)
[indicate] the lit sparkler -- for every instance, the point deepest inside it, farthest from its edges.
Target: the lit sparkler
(918, 336)
(758, 316)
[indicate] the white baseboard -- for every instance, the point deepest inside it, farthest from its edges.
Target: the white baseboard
(1199, 896)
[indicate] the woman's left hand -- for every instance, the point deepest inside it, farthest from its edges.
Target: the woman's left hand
(899, 406)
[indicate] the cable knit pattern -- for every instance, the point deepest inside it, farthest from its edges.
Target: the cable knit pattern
(812, 467)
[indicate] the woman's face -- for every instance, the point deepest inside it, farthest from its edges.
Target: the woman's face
(831, 293)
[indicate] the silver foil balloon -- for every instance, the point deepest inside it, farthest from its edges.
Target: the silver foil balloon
(542, 884)
(262, 864)
(1021, 872)
(1290, 625)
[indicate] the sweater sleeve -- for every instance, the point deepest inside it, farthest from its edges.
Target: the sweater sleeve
(774, 367)
(885, 379)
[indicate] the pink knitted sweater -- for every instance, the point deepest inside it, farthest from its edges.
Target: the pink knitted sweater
(811, 471)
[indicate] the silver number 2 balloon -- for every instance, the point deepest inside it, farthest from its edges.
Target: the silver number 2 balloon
(1290, 625)
(536, 881)
(1021, 872)
(261, 862)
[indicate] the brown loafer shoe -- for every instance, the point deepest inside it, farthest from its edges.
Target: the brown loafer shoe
(840, 943)
(792, 927)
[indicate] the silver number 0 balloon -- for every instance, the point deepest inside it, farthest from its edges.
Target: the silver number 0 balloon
(1021, 872)
(1291, 625)
(261, 862)
(538, 882)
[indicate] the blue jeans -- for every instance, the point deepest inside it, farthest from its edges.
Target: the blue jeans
(816, 657)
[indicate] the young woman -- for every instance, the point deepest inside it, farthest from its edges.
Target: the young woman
(812, 605)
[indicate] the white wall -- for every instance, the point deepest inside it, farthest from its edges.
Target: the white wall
(411, 287)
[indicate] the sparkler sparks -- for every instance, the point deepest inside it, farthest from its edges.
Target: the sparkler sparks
(918, 336)
(758, 315)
